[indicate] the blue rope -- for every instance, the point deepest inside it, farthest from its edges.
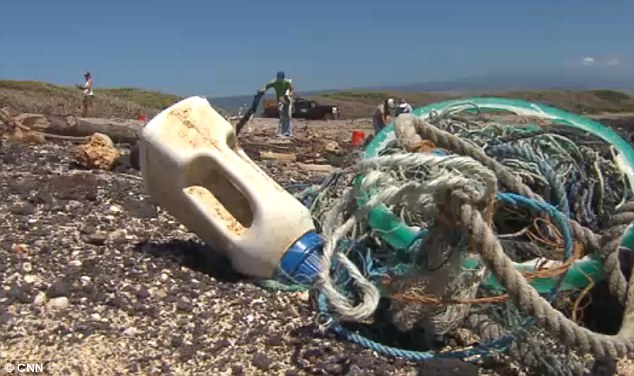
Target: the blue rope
(557, 187)
(330, 324)
(327, 322)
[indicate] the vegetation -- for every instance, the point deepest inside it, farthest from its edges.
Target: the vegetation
(362, 103)
(41, 97)
(582, 101)
(355, 104)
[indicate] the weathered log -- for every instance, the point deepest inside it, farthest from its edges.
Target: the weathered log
(278, 156)
(316, 167)
(119, 131)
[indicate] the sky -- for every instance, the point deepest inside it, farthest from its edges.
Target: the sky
(223, 48)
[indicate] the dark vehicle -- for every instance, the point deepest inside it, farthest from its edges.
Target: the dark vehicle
(303, 109)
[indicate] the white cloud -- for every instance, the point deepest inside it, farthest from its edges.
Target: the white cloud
(588, 61)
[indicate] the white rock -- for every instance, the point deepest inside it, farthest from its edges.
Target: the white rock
(58, 303)
(130, 331)
(115, 209)
(85, 279)
(27, 267)
(95, 316)
(75, 263)
(40, 299)
(31, 279)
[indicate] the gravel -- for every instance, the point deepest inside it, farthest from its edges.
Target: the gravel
(97, 280)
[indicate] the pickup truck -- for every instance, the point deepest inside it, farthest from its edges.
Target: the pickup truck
(303, 109)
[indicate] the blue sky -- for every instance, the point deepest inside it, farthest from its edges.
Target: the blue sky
(226, 48)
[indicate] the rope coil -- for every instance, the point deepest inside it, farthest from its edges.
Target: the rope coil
(450, 186)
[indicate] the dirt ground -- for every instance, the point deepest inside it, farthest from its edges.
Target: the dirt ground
(97, 280)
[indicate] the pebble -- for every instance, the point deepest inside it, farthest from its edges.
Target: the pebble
(75, 263)
(27, 267)
(19, 294)
(31, 279)
(237, 369)
(24, 208)
(143, 293)
(261, 361)
(39, 243)
(6, 318)
(58, 289)
(98, 238)
(88, 229)
(73, 205)
(40, 298)
(58, 303)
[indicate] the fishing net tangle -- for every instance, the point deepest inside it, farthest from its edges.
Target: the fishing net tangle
(427, 285)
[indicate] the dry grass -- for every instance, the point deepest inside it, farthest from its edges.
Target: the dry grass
(586, 101)
(45, 98)
(41, 97)
(356, 104)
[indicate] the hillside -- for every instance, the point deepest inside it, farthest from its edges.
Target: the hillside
(362, 103)
(41, 97)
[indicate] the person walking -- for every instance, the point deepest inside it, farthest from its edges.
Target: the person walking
(89, 96)
(381, 115)
(284, 93)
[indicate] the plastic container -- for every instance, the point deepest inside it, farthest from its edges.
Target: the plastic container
(399, 235)
(358, 138)
(193, 168)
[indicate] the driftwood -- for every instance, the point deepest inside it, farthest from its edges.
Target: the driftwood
(17, 131)
(119, 131)
(316, 167)
(278, 156)
(72, 128)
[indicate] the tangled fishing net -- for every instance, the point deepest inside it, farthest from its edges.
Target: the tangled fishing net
(510, 214)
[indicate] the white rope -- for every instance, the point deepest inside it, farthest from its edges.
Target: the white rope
(445, 173)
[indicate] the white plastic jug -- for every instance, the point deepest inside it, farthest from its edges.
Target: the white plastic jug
(194, 169)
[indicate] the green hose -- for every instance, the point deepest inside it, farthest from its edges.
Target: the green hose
(399, 235)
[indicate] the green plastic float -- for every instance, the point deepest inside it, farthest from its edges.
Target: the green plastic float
(399, 235)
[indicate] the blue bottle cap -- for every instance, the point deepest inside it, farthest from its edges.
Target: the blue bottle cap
(301, 262)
